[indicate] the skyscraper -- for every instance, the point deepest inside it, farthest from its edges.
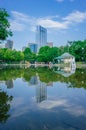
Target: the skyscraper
(9, 44)
(41, 36)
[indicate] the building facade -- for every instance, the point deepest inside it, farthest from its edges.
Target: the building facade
(9, 44)
(41, 36)
(67, 59)
(33, 47)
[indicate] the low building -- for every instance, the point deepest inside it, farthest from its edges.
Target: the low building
(33, 47)
(66, 58)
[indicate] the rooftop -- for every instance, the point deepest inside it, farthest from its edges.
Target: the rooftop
(65, 55)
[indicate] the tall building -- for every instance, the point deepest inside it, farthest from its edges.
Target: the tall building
(33, 47)
(9, 44)
(41, 36)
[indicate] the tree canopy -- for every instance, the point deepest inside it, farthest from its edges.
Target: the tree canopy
(47, 54)
(4, 25)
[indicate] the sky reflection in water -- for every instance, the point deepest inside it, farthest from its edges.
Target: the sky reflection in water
(42, 99)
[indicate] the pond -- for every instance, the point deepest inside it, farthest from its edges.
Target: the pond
(42, 99)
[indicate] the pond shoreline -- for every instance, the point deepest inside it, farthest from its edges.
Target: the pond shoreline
(78, 65)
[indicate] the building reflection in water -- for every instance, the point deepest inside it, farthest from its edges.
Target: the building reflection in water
(41, 88)
(33, 80)
(65, 71)
(9, 83)
(41, 91)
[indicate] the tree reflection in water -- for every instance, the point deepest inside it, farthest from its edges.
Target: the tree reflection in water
(4, 106)
(75, 79)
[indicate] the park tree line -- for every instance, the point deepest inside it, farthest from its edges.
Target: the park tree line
(46, 54)
(75, 48)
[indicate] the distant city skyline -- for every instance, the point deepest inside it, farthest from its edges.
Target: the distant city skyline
(65, 20)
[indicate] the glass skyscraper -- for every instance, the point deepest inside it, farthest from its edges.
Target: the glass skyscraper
(41, 36)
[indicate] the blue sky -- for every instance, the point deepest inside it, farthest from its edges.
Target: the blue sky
(65, 20)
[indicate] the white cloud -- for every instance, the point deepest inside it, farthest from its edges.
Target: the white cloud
(20, 16)
(51, 17)
(59, 0)
(72, 18)
(20, 21)
(76, 110)
(16, 26)
(71, 108)
(76, 16)
(49, 104)
(48, 23)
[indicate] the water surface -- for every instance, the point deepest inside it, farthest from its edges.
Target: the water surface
(42, 99)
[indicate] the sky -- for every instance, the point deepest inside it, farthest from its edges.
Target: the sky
(65, 20)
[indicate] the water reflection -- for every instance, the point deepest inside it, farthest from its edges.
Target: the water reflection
(34, 75)
(9, 83)
(41, 88)
(42, 99)
(41, 91)
(65, 71)
(5, 100)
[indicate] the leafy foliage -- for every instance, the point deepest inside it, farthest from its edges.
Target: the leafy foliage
(7, 55)
(47, 54)
(4, 25)
(78, 49)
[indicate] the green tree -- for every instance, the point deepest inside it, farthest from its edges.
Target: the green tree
(78, 49)
(9, 56)
(43, 54)
(47, 54)
(19, 56)
(33, 58)
(27, 54)
(2, 53)
(4, 25)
